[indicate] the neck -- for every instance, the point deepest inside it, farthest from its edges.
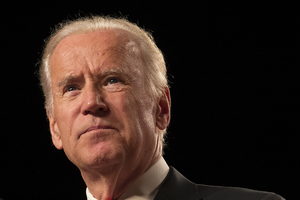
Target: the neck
(111, 183)
(102, 183)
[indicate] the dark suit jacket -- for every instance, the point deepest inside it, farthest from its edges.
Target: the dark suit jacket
(177, 187)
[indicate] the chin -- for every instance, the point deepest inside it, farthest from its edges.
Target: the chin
(102, 156)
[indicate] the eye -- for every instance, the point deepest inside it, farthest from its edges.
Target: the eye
(114, 84)
(113, 81)
(71, 88)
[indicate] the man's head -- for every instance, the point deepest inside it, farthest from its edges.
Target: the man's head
(106, 93)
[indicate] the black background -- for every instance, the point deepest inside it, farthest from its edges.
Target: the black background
(234, 73)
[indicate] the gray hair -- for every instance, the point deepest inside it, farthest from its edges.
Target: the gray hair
(152, 57)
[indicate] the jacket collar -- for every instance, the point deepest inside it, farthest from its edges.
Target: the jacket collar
(176, 187)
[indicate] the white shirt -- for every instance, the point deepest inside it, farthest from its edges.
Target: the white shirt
(145, 187)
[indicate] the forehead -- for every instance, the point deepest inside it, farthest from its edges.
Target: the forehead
(86, 43)
(103, 37)
(95, 49)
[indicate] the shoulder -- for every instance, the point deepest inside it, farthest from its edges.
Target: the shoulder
(219, 192)
(176, 186)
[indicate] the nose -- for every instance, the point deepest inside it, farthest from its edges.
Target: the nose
(93, 102)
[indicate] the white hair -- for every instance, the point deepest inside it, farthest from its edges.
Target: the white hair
(151, 56)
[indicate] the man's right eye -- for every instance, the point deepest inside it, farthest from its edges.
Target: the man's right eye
(71, 88)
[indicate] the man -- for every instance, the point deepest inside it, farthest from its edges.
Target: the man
(108, 105)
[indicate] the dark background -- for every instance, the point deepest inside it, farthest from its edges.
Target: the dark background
(234, 73)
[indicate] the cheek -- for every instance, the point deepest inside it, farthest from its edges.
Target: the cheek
(138, 111)
(65, 116)
(126, 112)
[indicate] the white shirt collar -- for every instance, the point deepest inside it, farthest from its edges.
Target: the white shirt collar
(145, 187)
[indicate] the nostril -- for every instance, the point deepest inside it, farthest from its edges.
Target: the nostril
(86, 112)
(102, 108)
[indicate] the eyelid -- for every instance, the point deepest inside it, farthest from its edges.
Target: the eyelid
(120, 74)
(115, 87)
(67, 87)
(113, 77)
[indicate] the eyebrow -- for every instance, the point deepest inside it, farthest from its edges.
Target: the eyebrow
(66, 80)
(112, 71)
(125, 73)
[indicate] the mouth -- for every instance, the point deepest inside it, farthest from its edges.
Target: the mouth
(100, 127)
(96, 128)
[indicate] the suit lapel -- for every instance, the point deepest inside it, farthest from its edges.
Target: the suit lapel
(177, 187)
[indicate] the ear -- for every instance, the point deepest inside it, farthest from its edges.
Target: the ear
(164, 110)
(55, 133)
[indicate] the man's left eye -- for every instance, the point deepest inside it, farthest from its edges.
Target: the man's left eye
(114, 84)
(113, 81)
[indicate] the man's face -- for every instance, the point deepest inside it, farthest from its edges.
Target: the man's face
(102, 116)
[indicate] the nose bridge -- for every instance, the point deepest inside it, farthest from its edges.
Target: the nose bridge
(92, 99)
(92, 94)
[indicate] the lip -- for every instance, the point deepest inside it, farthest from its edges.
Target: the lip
(99, 127)
(96, 128)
